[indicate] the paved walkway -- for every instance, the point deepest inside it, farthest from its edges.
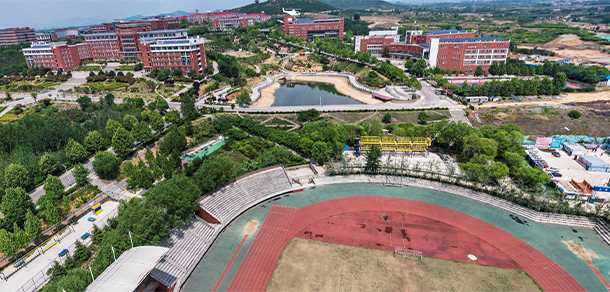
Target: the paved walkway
(38, 267)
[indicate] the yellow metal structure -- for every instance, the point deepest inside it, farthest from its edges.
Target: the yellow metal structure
(396, 144)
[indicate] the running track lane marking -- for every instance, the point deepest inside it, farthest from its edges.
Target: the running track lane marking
(599, 275)
(226, 270)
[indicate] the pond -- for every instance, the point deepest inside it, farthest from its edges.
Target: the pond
(293, 93)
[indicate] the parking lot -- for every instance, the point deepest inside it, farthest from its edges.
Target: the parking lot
(571, 169)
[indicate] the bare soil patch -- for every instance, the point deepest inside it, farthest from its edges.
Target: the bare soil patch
(308, 265)
(250, 228)
(578, 250)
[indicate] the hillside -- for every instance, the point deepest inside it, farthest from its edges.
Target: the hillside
(363, 4)
(272, 6)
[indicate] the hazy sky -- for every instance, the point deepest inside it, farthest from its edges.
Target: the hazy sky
(41, 14)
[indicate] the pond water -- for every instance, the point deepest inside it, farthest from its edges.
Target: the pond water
(309, 93)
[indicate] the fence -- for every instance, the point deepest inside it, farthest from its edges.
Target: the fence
(41, 278)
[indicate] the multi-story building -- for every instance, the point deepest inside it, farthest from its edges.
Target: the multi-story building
(419, 37)
(209, 16)
(17, 35)
(374, 42)
(153, 23)
(239, 21)
(451, 49)
(184, 54)
(45, 37)
(131, 42)
(309, 29)
(467, 54)
(56, 56)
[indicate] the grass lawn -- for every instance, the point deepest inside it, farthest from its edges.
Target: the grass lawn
(126, 67)
(10, 116)
(546, 121)
(2, 108)
(106, 85)
(309, 265)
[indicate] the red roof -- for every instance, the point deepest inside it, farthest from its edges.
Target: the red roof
(256, 14)
(218, 13)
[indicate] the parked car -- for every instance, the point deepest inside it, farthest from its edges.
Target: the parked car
(555, 174)
(554, 169)
(556, 154)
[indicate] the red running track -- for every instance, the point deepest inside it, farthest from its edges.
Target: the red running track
(434, 238)
(282, 224)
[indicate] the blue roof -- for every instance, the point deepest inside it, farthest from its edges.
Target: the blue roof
(165, 30)
(445, 31)
(491, 39)
(175, 42)
(41, 46)
(302, 21)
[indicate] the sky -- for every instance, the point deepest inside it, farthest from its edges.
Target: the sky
(44, 14)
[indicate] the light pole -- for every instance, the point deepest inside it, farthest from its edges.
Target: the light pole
(67, 175)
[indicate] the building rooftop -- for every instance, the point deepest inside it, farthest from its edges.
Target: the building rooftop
(473, 40)
(128, 271)
(165, 30)
(445, 31)
(302, 21)
(100, 33)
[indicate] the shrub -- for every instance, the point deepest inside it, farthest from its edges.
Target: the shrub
(574, 114)
(387, 118)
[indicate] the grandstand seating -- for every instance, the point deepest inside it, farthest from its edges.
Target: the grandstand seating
(224, 203)
(185, 245)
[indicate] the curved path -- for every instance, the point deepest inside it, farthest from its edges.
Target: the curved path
(254, 274)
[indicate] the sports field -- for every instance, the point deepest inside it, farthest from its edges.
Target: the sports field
(310, 265)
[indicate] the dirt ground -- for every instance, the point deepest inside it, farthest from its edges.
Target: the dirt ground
(565, 99)
(386, 21)
(308, 265)
(570, 46)
(236, 54)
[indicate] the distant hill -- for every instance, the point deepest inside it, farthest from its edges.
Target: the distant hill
(362, 4)
(273, 6)
(172, 14)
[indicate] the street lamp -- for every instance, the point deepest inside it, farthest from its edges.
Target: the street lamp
(67, 175)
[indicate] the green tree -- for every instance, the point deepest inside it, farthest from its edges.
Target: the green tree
(187, 107)
(80, 173)
(75, 152)
(111, 127)
(174, 141)
(106, 165)
(54, 189)
(144, 178)
(156, 122)
(51, 214)
(560, 80)
(84, 102)
(387, 118)
(15, 205)
(479, 71)
(129, 122)
(16, 176)
(214, 172)
(373, 160)
(122, 142)
(308, 115)
(141, 132)
(376, 128)
(574, 114)
(108, 99)
(162, 104)
(149, 156)
(11, 243)
(48, 164)
(475, 145)
(423, 118)
(94, 141)
(177, 195)
(33, 226)
(172, 116)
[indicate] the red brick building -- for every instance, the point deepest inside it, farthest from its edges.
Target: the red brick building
(309, 29)
(56, 56)
(375, 41)
(17, 35)
(467, 54)
(229, 23)
(154, 24)
(183, 54)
